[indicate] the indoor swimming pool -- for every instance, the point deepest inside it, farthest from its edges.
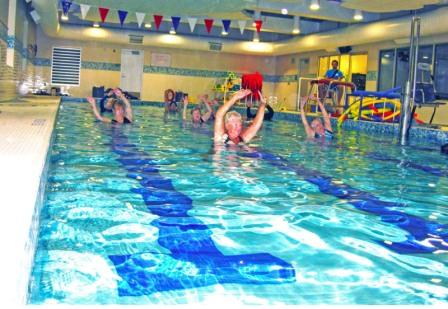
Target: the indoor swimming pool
(154, 213)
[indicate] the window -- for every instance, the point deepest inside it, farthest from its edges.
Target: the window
(66, 66)
(402, 67)
(386, 74)
(441, 70)
(394, 67)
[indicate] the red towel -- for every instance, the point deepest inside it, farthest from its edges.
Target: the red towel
(254, 82)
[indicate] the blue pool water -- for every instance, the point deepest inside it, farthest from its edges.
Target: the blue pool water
(153, 213)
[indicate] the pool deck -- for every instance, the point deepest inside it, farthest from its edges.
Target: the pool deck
(26, 128)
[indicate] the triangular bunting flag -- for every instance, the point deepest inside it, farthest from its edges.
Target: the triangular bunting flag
(258, 24)
(140, 18)
(158, 21)
(242, 25)
(192, 22)
(122, 15)
(66, 6)
(176, 21)
(226, 24)
(84, 9)
(208, 24)
(103, 13)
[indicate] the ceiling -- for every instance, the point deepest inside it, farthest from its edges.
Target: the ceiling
(333, 14)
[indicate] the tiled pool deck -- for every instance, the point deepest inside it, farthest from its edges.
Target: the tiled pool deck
(25, 131)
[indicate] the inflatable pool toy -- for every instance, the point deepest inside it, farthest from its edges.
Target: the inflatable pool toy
(374, 109)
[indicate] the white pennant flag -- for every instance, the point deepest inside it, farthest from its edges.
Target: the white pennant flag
(84, 9)
(242, 25)
(192, 22)
(140, 18)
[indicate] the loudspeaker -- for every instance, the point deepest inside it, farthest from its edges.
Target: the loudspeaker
(345, 49)
(35, 16)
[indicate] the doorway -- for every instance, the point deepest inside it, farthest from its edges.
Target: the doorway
(132, 71)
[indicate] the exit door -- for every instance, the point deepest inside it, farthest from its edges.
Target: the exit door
(132, 71)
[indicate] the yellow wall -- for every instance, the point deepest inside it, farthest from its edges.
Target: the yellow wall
(154, 85)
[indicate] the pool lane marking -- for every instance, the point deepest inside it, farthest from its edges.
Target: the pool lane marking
(199, 261)
(424, 236)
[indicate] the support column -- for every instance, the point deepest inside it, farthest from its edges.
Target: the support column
(10, 51)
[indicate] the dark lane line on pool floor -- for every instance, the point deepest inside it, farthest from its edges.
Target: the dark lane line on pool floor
(419, 229)
(424, 236)
(188, 240)
(440, 172)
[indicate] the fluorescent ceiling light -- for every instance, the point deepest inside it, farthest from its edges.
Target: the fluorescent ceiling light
(314, 5)
(296, 27)
(358, 15)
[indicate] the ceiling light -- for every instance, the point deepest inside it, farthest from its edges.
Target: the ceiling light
(296, 26)
(315, 5)
(256, 38)
(358, 15)
(148, 25)
(64, 17)
(284, 11)
(224, 32)
(96, 25)
(172, 31)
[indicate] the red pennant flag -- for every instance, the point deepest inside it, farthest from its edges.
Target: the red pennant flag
(258, 24)
(158, 20)
(103, 13)
(208, 24)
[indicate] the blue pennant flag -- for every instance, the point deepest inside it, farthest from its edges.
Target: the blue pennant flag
(226, 24)
(176, 21)
(66, 6)
(122, 15)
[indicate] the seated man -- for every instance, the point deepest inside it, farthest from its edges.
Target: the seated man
(316, 129)
(229, 125)
(121, 109)
(335, 74)
(196, 115)
(267, 116)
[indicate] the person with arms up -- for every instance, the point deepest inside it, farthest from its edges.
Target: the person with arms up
(229, 127)
(121, 109)
(196, 115)
(316, 129)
